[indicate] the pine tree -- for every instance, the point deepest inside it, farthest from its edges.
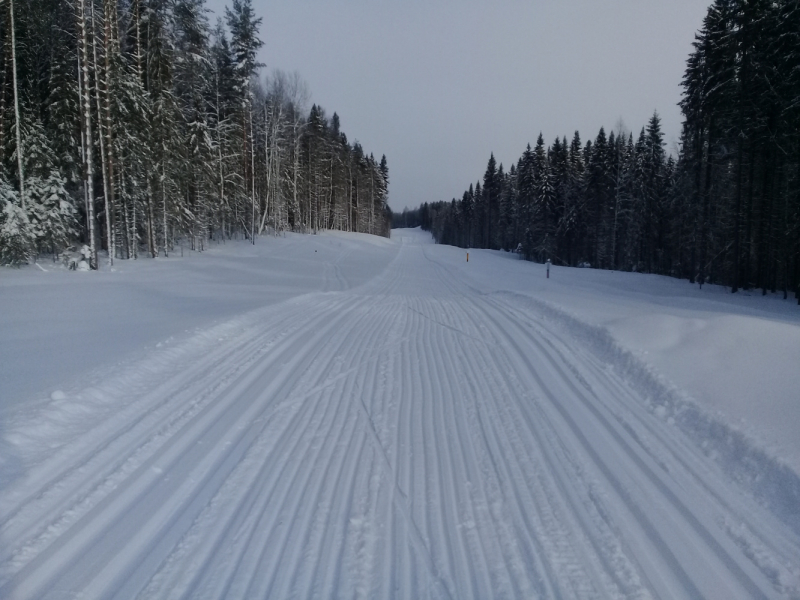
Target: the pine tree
(726, 209)
(176, 130)
(541, 222)
(193, 87)
(16, 235)
(62, 119)
(83, 22)
(508, 202)
(245, 44)
(49, 210)
(164, 118)
(55, 223)
(655, 194)
(598, 198)
(490, 203)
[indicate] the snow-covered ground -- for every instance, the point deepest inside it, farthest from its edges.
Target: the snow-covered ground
(736, 354)
(345, 416)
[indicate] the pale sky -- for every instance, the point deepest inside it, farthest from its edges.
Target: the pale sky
(438, 85)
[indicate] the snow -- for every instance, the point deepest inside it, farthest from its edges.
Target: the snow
(59, 325)
(341, 415)
(737, 355)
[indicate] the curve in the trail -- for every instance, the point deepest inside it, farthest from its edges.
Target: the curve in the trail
(408, 438)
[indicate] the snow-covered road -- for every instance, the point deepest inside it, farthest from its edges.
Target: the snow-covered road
(411, 437)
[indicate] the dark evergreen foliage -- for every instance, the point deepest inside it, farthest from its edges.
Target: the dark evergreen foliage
(725, 210)
(189, 143)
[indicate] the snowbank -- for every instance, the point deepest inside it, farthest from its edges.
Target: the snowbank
(737, 355)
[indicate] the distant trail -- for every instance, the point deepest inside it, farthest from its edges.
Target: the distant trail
(407, 438)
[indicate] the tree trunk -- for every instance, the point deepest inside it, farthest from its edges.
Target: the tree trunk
(17, 124)
(103, 156)
(152, 246)
(164, 201)
(87, 122)
(110, 18)
(252, 176)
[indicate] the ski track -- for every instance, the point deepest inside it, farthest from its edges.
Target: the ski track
(408, 438)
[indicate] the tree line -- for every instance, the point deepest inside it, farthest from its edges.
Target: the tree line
(726, 210)
(134, 125)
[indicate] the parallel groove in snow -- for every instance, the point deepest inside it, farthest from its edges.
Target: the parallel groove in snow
(665, 490)
(144, 478)
(410, 438)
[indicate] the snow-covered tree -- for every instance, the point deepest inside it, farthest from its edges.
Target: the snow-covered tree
(17, 239)
(132, 123)
(54, 215)
(49, 207)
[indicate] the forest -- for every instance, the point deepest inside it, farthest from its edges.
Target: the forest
(132, 126)
(725, 210)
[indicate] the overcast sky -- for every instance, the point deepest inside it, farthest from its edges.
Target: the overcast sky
(437, 85)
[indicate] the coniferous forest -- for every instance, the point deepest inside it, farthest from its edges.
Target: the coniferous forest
(133, 125)
(725, 210)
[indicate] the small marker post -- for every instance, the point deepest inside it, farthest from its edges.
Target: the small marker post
(548, 268)
(467, 256)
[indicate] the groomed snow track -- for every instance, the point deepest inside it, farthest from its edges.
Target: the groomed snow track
(409, 438)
